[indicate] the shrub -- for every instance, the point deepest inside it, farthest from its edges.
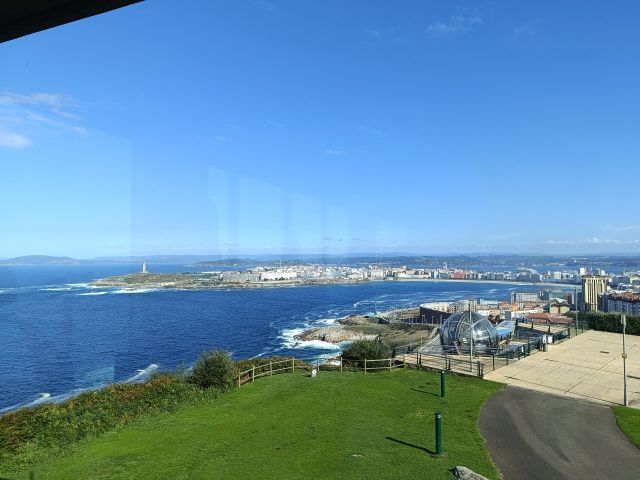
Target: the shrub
(608, 322)
(213, 369)
(369, 349)
(29, 431)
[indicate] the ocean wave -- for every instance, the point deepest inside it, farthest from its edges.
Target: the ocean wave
(39, 400)
(91, 293)
(134, 290)
(43, 398)
(315, 344)
(289, 341)
(77, 285)
(327, 321)
(142, 375)
(55, 289)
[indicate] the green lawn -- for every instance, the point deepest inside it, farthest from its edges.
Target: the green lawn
(336, 426)
(628, 420)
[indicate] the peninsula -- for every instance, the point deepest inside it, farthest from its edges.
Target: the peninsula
(324, 274)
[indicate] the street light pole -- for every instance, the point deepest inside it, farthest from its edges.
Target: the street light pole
(624, 357)
(577, 310)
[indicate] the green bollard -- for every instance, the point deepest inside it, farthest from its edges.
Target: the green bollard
(438, 433)
(442, 384)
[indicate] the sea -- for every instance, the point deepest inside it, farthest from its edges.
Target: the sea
(60, 336)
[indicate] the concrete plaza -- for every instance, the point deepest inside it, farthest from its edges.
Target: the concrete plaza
(588, 366)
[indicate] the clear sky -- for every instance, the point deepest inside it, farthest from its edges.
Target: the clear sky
(324, 126)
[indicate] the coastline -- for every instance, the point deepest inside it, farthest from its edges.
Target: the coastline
(186, 283)
(497, 282)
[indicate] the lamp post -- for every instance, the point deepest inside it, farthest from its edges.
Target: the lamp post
(623, 319)
(577, 310)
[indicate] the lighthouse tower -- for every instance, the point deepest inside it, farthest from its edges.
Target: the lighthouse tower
(144, 267)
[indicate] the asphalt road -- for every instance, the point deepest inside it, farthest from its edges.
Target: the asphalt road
(533, 435)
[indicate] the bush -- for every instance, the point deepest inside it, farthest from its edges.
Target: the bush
(213, 369)
(366, 349)
(29, 431)
(608, 322)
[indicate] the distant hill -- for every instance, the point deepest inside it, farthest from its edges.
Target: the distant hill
(39, 260)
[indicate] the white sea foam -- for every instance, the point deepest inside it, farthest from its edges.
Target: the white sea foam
(289, 341)
(134, 290)
(56, 289)
(139, 376)
(77, 285)
(92, 293)
(142, 375)
(327, 321)
(317, 344)
(288, 336)
(39, 400)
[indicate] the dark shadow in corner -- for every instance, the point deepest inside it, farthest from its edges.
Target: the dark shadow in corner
(424, 391)
(425, 450)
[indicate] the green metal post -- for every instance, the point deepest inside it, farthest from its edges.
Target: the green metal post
(442, 384)
(438, 433)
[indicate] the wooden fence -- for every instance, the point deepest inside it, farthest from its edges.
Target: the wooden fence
(341, 364)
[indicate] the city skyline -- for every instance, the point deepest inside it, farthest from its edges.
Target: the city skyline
(292, 127)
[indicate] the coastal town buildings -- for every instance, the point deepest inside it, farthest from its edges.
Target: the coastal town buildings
(593, 286)
(517, 297)
(621, 302)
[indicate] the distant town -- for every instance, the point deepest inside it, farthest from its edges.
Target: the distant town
(599, 291)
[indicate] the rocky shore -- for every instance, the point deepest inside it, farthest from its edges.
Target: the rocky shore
(367, 327)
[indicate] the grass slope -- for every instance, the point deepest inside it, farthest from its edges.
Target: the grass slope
(628, 420)
(337, 426)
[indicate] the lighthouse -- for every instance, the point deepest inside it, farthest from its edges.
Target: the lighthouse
(144, 267)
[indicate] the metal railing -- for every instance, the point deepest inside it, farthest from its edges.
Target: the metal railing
(469, 366)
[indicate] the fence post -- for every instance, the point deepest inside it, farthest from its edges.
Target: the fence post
(317, 364)
(480, 365)
(238, 380)
(293, 365)
(270, 368)
(253, 373)
(493, 357)
(442, 384)
(365, 365)
(389, 364)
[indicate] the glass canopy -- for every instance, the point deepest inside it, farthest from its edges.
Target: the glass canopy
(460, 329)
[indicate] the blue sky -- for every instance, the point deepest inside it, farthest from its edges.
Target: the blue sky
(324, 127)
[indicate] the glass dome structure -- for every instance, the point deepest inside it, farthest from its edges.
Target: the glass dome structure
(466, 330)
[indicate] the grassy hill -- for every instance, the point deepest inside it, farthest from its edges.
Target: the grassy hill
(336, 426)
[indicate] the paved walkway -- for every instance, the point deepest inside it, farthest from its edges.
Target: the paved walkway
(533, 435)
(587, 367)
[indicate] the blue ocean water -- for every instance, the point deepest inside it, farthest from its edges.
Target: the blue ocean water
(60, 336)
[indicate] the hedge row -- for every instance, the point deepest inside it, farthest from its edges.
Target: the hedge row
(608, 322)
